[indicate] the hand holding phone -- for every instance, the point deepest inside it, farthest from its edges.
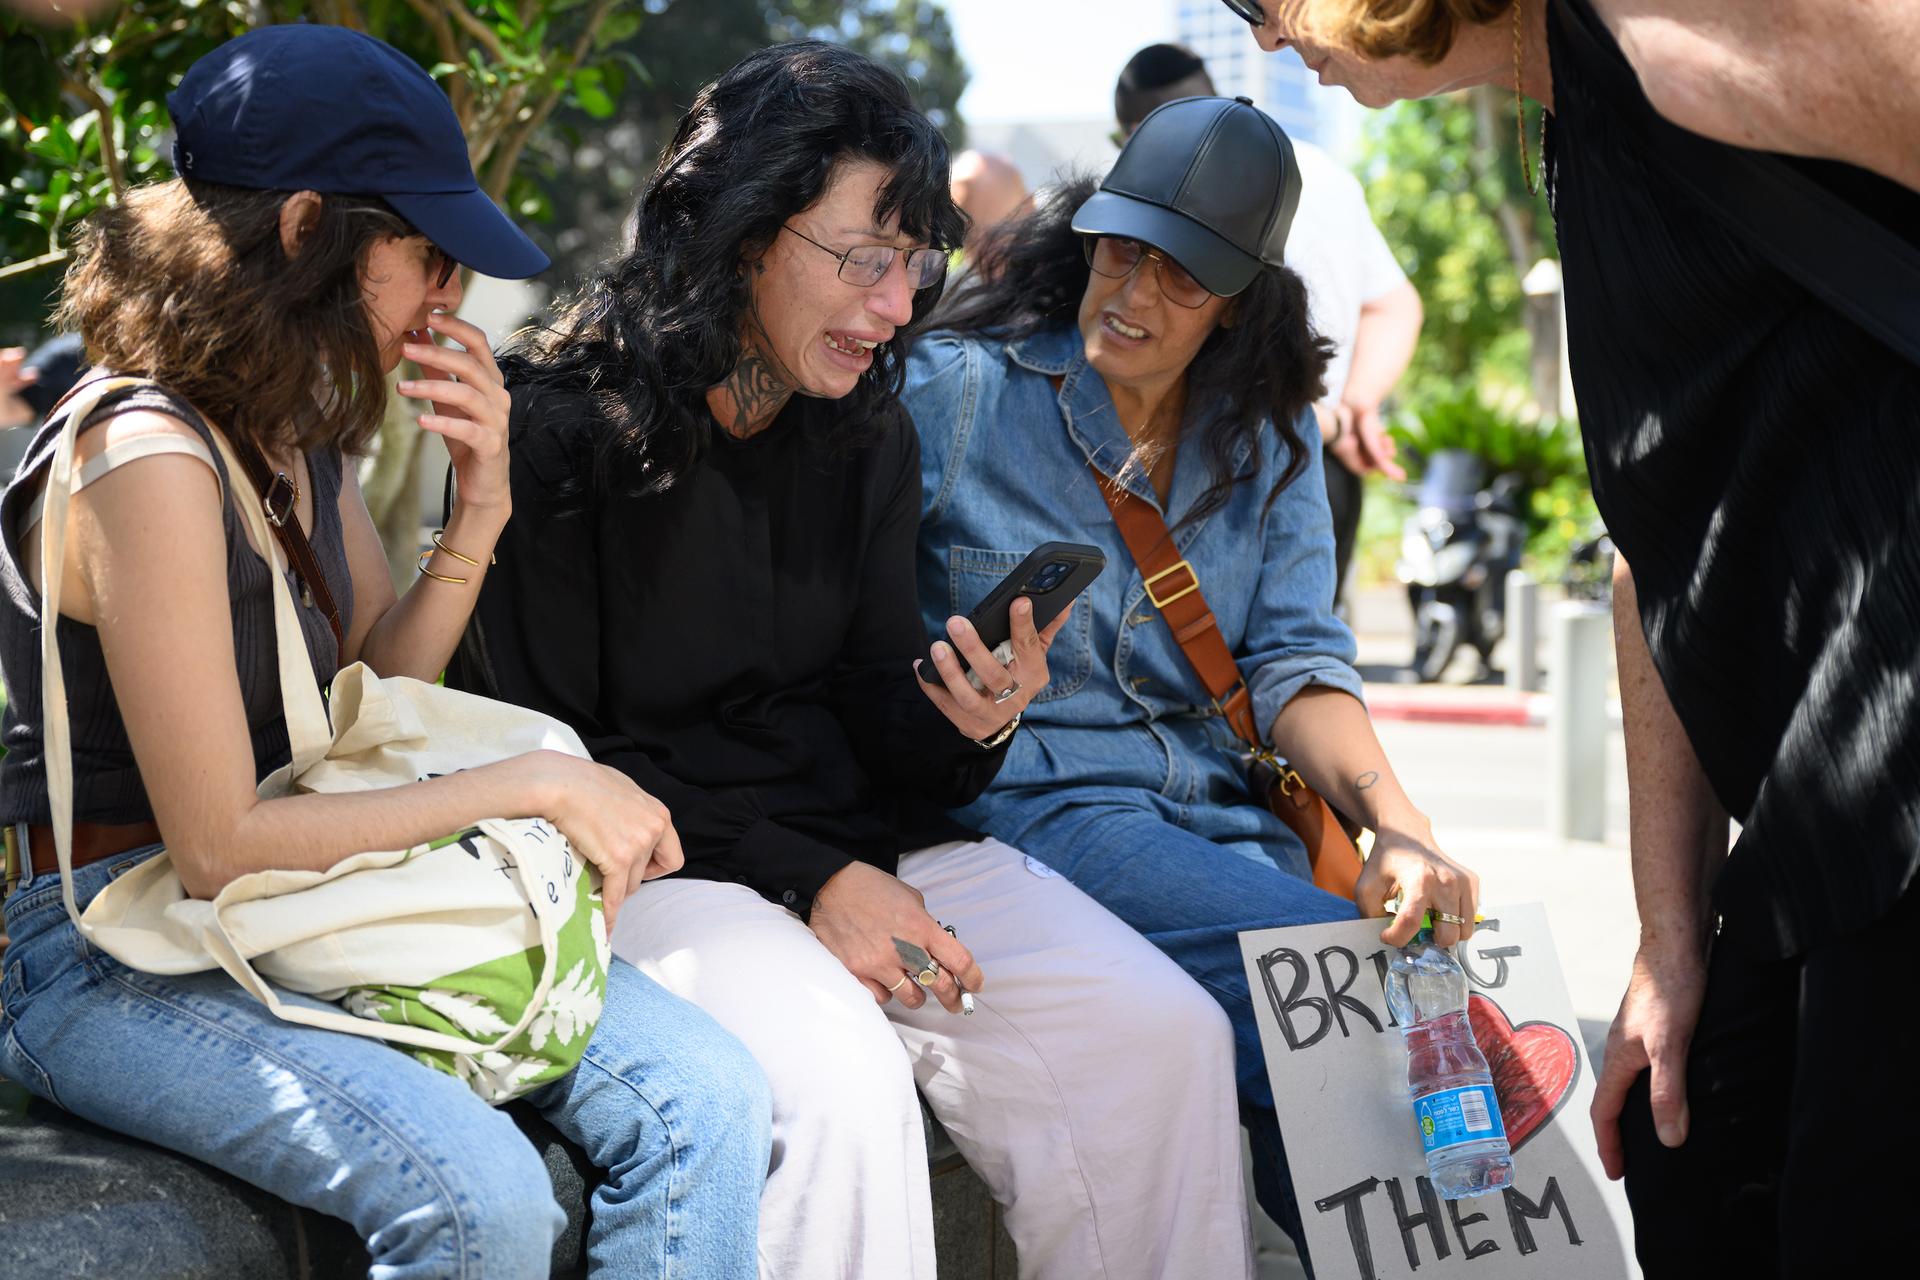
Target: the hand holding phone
(1052, 576)
(997, 659)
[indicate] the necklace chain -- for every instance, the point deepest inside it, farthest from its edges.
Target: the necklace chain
(1527, 172)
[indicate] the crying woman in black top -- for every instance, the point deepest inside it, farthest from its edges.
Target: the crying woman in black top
(710, 575)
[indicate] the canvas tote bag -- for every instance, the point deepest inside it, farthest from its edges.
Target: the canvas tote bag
(483, 953)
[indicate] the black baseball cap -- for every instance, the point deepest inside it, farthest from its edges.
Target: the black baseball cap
(305, 107)
(1211, 182)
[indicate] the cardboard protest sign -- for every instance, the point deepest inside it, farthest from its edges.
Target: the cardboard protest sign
(1339, 1073)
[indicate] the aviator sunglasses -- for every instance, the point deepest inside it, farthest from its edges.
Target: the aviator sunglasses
(1117, 257)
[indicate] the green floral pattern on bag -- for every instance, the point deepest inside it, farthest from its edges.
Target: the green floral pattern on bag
(485, 1001)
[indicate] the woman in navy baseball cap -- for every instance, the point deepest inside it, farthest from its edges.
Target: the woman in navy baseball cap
(312, 240)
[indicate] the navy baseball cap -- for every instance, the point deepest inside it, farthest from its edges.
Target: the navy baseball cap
(305, 107)
(1211, 182)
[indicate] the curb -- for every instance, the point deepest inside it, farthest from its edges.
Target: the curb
(1444, 706)
(1441, 705)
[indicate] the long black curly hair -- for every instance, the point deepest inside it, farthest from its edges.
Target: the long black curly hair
(1263, 366)
(647, 336)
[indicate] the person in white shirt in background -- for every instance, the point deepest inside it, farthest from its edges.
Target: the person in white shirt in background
(1359, 297)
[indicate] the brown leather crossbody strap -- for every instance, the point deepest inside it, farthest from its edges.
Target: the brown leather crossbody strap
(293, 539)
(1174, 588)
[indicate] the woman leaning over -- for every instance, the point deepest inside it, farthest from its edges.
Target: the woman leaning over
(265, 294)
(1747, 362)
(1119, 340)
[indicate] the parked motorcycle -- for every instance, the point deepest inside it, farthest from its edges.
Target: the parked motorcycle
(1589, 574)
(1455, 553)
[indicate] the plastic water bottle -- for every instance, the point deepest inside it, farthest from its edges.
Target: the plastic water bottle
(1453, 1099)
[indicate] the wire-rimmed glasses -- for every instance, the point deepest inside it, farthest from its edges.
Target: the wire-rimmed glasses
(866, 265)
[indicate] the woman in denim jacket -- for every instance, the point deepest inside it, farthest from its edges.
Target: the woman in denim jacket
(1090, 342)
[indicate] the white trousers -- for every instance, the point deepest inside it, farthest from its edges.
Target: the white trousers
(1093, 1090)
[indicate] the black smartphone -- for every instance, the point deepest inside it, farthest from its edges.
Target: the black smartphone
(1052, 576)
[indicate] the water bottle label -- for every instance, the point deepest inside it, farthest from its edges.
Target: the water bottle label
(1453, 1116)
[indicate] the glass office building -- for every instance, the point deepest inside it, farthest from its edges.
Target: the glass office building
(1279, 84)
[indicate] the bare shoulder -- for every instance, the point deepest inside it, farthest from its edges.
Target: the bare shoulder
(1822, 78)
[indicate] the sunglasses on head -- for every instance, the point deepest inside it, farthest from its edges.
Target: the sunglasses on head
(1249, 10)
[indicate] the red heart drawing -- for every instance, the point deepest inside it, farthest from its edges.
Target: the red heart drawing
(1534, 1066)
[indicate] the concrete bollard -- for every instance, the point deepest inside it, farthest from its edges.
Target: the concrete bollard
(1523, 632)
(1577, 720)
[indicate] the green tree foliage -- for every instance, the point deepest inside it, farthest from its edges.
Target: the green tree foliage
(911, 36)
(1444, 180)
(564, 104)
(591, 169)
(86, 106)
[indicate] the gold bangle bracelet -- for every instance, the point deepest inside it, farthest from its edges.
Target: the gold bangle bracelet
(439, 577)
(441, 544)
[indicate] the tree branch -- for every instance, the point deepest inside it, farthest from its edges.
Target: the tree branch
(31, 265)
(479, 30)
(458, 89)
(103, 127)
(505, 160)
(488, 129)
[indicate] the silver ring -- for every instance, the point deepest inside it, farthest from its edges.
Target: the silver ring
(1007, 694)
(1447, 917)
(929, 975)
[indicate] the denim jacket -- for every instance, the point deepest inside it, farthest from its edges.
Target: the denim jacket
(1004, 468)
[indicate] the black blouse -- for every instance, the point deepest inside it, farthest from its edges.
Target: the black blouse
(1756, 456)
(740, 645)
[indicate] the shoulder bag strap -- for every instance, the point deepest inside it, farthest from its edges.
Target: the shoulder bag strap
(1174, 589)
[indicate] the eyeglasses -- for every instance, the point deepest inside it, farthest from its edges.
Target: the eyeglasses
(1116, 258)
(1250, 10)
(866, 265)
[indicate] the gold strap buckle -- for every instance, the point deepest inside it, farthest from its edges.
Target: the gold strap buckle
(1193, 583)
(10, 841)
(1289, 780)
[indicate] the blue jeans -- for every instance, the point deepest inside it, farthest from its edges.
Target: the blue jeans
(437, 1183)
(1190, 878)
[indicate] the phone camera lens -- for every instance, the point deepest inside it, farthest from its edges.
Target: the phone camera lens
(1051, 575)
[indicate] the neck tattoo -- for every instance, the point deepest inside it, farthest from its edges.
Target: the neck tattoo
(756, 394)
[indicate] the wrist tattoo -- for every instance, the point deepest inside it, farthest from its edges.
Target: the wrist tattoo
(1366, 780)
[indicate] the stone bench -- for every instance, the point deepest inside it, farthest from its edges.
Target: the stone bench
(77, 1200)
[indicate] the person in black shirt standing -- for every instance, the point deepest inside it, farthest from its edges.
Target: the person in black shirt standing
(711, 575)
(1750, 429)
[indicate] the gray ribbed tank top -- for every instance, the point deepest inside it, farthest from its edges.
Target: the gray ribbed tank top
(107, 786)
